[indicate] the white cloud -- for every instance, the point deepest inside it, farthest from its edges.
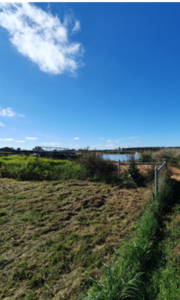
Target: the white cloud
(133, 137)
(101, 138)
(42, 37)
(7, 139)
(1, 124)
(51, 144)
(109, 141)
(31, 138)
(8, 112)
(110, 145)
(76, 138)
(19, 141)
(76, 26)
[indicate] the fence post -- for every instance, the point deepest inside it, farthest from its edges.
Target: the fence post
(165, 162)
(156, 181)
(119, 169)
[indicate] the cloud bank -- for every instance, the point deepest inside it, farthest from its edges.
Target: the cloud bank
(42, 37)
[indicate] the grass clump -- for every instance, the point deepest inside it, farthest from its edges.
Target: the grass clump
(129, 277)
(166, 278)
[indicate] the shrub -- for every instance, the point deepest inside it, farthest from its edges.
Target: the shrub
(150, 175)
(146, 157)
(133, 170)
(97, 165)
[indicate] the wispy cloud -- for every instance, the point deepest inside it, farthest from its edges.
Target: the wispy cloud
(51, 144)
(31, 138)
(1, 124)
(101, 138)
(109, 141)
(8, 112)
(21, 141)
(110, 145)
(77, 26)
(76, 138)
(133, 137)
(42, 37)
(7, 139)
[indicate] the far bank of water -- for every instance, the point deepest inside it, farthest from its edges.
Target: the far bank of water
(121, 157)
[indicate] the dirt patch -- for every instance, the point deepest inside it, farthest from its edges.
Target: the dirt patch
(102, 215)
(176, 173)
(144, 169)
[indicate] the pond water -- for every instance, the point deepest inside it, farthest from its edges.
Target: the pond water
(121, 157)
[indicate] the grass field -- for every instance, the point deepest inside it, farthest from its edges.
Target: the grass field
(82, 232)
(30, 211)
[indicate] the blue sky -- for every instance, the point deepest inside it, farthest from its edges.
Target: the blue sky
(103, 75)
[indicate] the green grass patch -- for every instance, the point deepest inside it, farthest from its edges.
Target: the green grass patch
(129, 277)
(26, 168)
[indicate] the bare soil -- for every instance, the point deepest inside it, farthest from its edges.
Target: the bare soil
(144, 168)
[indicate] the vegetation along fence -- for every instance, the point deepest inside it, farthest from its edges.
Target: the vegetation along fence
(157, 170)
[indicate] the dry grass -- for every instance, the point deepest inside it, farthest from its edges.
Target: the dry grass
(29, 211)
(167, 153)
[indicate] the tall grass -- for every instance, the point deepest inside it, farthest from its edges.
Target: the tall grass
(129, 277)
(26, 168)
(169, 153)
(173, 156)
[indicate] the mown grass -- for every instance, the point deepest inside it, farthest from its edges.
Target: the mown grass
(130, 276)
(31, 210)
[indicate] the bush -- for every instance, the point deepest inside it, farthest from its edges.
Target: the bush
(150, 175)
(146, 157)
(134, 172)
(96, 165)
